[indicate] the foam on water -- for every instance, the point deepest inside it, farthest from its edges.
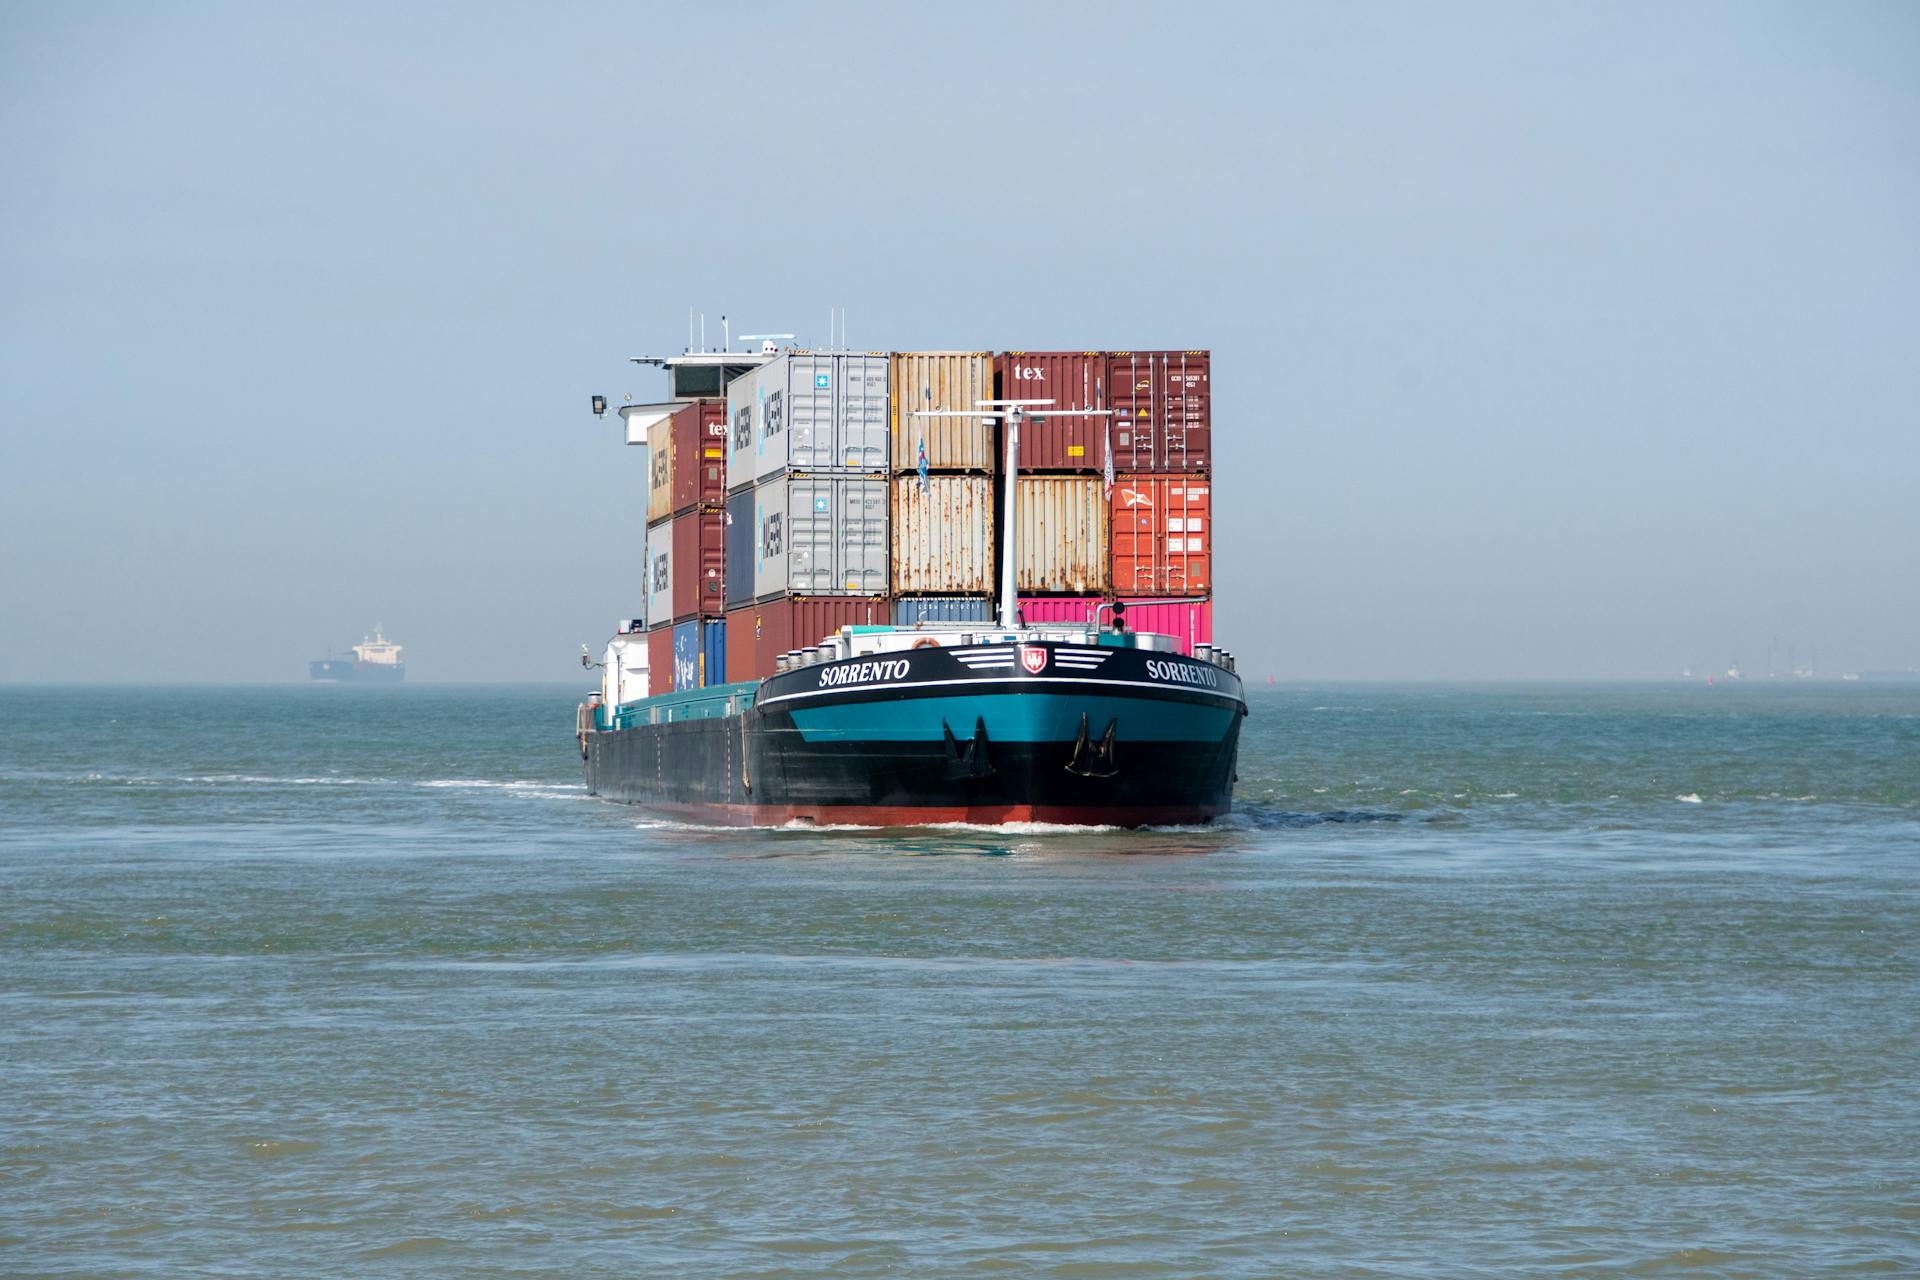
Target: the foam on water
(260, 779)
(495, 784)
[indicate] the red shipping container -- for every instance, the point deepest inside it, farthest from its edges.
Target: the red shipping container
(743, 627)
(1072, 380)
(1163, 410)
(700, 455)
(1162, 535)
(660, 660)
(699, 564)
(1189, 622)
(794, 622)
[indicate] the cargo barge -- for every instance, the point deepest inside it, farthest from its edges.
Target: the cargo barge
(865, 705)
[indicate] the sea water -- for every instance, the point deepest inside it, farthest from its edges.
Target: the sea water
(1507, 980)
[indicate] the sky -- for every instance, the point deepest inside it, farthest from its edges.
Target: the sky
(1550, 340)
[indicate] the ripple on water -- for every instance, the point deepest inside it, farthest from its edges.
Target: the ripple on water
(1462, 988)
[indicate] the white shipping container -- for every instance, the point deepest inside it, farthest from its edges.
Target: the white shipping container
(808, 411)
(861, 541)
(770, 537)
(1062, 535)
(820, 535)
(740, 430)
(943, 535)
(660, 574)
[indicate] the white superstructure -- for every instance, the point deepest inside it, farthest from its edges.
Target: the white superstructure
(623, 674)
(378, 651)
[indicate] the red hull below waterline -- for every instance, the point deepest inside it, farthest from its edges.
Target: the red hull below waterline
(768, 815)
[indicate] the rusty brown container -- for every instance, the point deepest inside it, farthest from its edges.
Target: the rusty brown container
(943, 536)
(699, 456)
(1061, 542)
(743, 640)
(944, 380)
(1162, 535)
(1163, 410)
(659, 660)
(699, 579)
(794, 622)
(687, 459)
(1072, 380)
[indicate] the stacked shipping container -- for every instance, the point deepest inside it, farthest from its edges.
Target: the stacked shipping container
(805, 524)
(1061, 542)
(1163, 491)
(1162, 500)
(1163, 410)
(949, 381)
(1161, 534)
(813, 498)
(1072, 380)
(686, 543)
(945, 490)
(1141, 533)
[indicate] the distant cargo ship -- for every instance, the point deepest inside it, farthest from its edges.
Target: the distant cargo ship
(375, 661)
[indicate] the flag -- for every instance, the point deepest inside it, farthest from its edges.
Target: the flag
(1106, 471)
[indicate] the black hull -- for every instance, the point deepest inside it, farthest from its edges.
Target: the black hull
(1124, 749)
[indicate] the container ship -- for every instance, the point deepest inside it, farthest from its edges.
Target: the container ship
(375, 660)
(900, 588)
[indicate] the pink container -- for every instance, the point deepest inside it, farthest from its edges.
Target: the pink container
(1189, 622)
(1039, 610)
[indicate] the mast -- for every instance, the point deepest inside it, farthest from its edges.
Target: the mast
(1010, 528)
(1013, 413)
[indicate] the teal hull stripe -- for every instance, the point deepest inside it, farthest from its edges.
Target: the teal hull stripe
(1024, 717)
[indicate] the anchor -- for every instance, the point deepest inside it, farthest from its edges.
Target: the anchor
(1089, 760)
(971, 760)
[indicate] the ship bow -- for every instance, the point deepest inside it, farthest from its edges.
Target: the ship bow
(1043, 732)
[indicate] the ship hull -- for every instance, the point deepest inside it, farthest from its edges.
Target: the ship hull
(1117, 737)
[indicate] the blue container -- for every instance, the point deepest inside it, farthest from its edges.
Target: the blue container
(739, 549)
(686, 655)
(699, 654)
(911, 610)
(713, 648)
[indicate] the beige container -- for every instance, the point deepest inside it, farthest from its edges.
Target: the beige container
(1062, 536)
(956, 380)
(943, 536)
(660, 471)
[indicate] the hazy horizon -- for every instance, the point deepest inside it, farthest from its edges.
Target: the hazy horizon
(1549, 343)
